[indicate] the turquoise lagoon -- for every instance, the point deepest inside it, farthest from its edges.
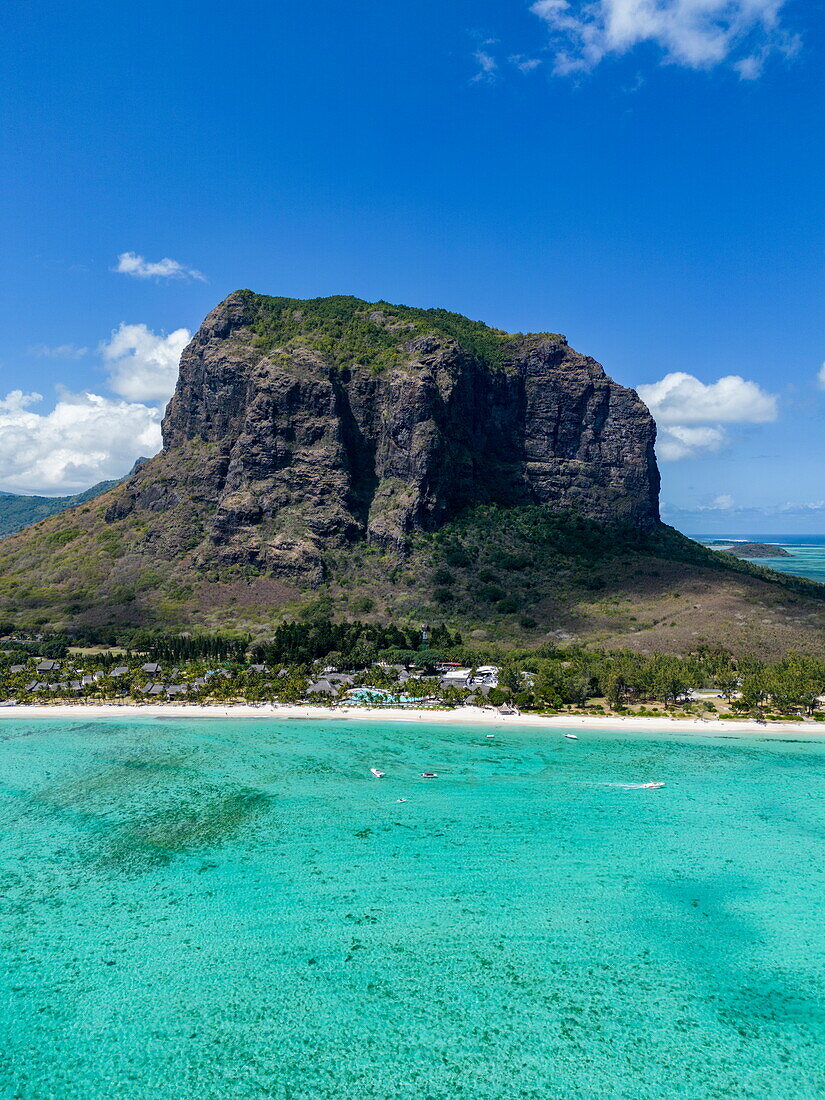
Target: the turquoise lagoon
(232, 909)
(807, 552)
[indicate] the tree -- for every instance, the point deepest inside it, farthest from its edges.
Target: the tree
(727, 684)
(754, 692)
(549, 683)
(615, 690)
(510, 678)
(577, 689)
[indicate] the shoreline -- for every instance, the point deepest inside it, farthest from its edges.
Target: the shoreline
(464, 716)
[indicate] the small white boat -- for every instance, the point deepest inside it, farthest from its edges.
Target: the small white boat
(377, 773)
(400, 800)
(571, 736)
(429, 775)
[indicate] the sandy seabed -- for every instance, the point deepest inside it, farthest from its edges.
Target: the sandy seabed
(475, 716)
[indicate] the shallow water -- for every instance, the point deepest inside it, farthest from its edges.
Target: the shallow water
(807, 553)
(217, 909)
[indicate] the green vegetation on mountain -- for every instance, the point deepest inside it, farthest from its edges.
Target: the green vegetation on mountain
(17, 511)
(373, 334)
(519, 578)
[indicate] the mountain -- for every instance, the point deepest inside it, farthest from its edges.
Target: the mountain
(340, 457)
(301, 427)
(17, 511)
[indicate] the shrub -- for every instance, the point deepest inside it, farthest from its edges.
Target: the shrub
(443, 577)
(512, 561)
(61, 538)
(457, 556)
(490, 593)
(487, 576)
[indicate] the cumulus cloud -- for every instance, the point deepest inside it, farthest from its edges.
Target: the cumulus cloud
(680, 398)
(698, 34)
(86, 438)
(16, 401)
(130, 263)
(89, 437)
(143, 365)
(821, 376)
(689, 412)
(680, 441)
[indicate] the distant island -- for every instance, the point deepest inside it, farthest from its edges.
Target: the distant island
(757, 550)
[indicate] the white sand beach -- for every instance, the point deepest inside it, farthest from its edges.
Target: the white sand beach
(473, 716)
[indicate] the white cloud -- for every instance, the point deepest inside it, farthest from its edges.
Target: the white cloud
(680, 441)
(86, 438)
(804, 506)
(130, 263)
(821, 376)
(695, 33)
(524, 64)
(723, 503)
(487, 67)
(750, 68)
(62, 351)
(144, 365)
(688, 412)
(680, 398)
(16, 401)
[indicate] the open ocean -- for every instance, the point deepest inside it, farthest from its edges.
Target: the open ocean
(807, 552)
(215, 909)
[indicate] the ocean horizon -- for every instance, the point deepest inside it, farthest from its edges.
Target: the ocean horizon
(224, 908)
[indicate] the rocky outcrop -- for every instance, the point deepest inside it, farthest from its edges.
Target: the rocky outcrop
(297, 427)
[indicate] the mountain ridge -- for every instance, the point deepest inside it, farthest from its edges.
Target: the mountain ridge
(18, 510)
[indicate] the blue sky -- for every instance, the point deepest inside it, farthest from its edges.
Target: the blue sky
(647, 179)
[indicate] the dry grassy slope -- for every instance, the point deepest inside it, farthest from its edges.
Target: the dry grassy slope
(685, 605)
(489, 574)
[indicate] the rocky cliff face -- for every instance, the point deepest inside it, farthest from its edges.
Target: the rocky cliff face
(298, 426)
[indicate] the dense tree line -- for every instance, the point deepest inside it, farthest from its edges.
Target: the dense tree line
(188, 647)
(623, 679)
(351, 644)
